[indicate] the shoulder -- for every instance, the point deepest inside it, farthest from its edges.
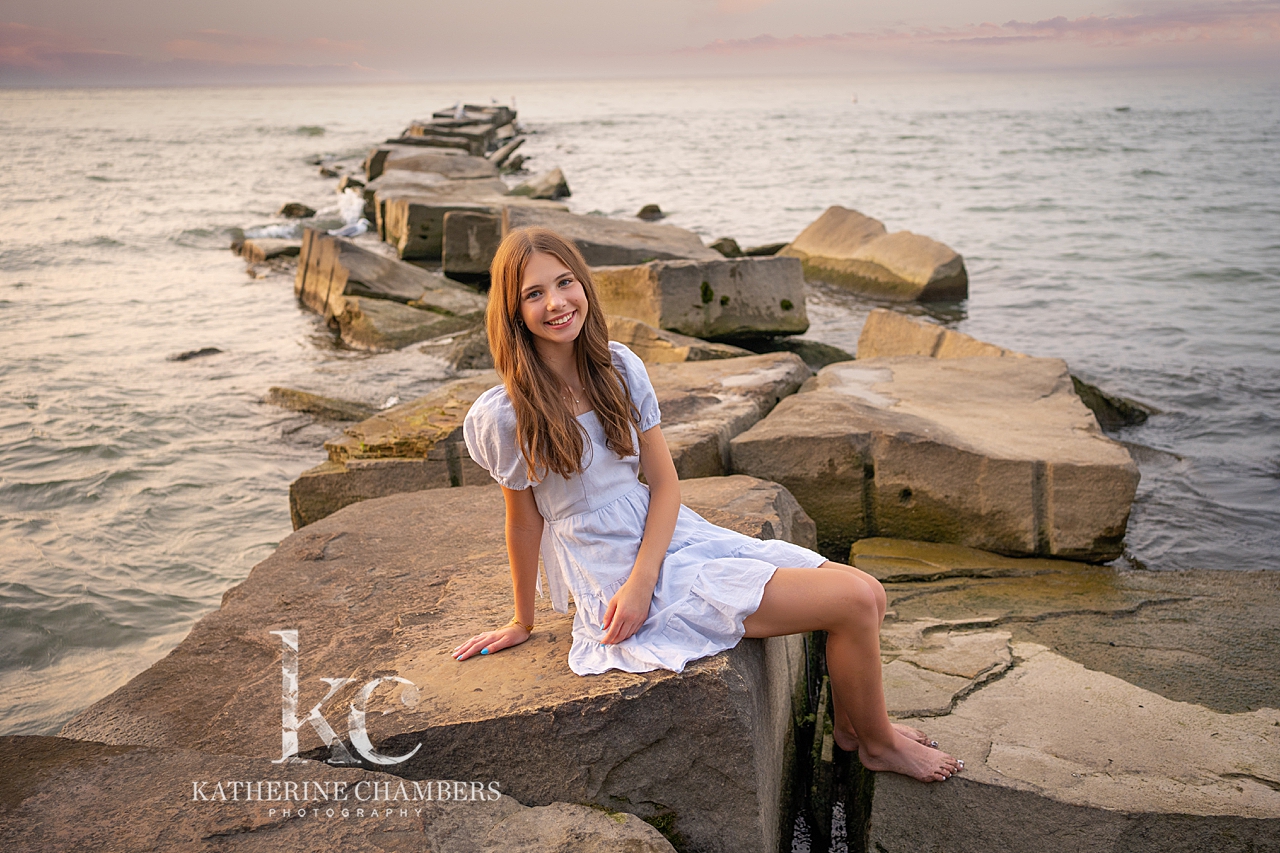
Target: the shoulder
(493, 406)
(625, 360)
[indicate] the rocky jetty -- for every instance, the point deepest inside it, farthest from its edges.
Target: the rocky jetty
(846, 248)
(549, 185)
(724, 299)
(997, 453)
(390, 586)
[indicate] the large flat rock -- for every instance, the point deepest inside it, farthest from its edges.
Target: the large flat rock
(994, 453)
(331, 269)
(413, 446)
(1096, 709)
(722, 299)
(412, 219)
(846, 248)
(608, 242)
(456, 165)
(706, 403)
(390, 586)
(658, 346)
(144, 798)
(381, 325)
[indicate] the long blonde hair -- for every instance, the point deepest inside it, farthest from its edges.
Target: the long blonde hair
(548, 433)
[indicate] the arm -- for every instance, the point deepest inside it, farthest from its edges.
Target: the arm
(629, 606)
(524, 533)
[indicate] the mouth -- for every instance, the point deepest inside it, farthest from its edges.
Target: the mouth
(561, 321)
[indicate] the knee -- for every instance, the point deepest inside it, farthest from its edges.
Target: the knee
(855, 601)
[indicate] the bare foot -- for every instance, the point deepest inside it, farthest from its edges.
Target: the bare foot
(913, 759)
(849, 742)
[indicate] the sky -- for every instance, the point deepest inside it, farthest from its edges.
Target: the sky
(171, 42)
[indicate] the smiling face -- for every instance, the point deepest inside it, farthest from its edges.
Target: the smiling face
(553, 303)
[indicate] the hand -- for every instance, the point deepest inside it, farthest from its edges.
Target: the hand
(626, 612)
(493, 641)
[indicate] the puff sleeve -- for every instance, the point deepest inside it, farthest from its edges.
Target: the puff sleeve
(490, 433)
(637, 376)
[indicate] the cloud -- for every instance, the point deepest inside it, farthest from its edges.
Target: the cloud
(1246, 30)
(223, 46)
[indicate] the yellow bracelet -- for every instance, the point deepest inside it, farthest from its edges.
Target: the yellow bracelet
(515, 620)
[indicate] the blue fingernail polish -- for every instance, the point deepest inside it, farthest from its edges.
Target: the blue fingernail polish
(484, 651)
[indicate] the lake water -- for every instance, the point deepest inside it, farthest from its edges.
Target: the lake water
(1142, 245)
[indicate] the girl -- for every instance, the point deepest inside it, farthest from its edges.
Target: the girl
(655, 585)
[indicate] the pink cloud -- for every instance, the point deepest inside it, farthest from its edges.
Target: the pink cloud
(1254, 23)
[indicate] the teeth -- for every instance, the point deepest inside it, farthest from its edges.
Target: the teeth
(561, 322)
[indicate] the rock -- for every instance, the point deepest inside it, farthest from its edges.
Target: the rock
(194, 353)
(455, 165)
(296, 210)
(764, 251)
(331, 270)
(390, 587)
(144, 798)
(650, 213)
(258, 250)
(499, 157)
(997, 453)
(728, 247)
(413, 446)
(349, 182)
(605, 241)
(325, 408)
(816, 354)
(470, 240)
(418, 445)
(329, 171)
(515, 164)
(722, 299)
(706, 403)
(382, 325)
(846, 248)
(888, 333)
(656, 346)
(1085, 657)
(549, 185)
(464, 351)
(413, 221)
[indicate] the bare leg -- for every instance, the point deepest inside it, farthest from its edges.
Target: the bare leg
(847, 742)
(846, 607)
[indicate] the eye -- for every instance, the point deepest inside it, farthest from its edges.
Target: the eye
(532, 294)
(566, 282)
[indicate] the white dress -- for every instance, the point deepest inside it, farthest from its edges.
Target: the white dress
(711, 578)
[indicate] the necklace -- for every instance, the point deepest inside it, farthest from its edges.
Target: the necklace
(572, 396)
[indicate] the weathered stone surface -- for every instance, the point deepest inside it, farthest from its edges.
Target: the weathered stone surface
(413, 446)
(141, 798)
(467, 350)
(997, 453)
(500, 157)
(412, 158)
(764, 251)
(1192, 636)
(888, 333)
(413, 221)
(728, 247)
(604, 241)
(724, 299)
(657, 346)
(391, 586)
(816, 354)
(747, 505)
(381, 325)
(650, 213)
(1068, 689)
(706, 403)
(331, 270)
(470, 240)
(549, 185)
(256, 250)
(326, 408)
(846, 248)
(296, 210)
